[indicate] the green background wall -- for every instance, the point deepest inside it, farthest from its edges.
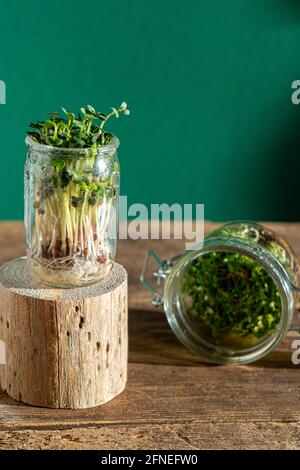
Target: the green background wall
(208, 84)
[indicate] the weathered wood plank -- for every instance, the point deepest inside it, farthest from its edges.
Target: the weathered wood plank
(173, 399)
(172, 394)
(191, 436)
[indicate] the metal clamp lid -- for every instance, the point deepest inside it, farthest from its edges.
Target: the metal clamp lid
(164, 268)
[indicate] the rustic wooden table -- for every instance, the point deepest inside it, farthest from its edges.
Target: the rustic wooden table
(173, 400)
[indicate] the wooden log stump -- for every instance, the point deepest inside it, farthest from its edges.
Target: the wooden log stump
(62, 348)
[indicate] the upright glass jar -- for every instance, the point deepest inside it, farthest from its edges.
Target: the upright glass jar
(71, 212)
(229, 337)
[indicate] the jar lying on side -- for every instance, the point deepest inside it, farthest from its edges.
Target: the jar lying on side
(232, 301)
(71, 212)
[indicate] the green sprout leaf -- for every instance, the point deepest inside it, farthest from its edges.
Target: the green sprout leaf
(66, 177)
(58, 163)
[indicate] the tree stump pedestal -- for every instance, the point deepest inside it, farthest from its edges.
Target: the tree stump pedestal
(62, 348)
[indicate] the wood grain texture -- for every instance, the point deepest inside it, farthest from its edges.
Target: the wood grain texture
(64, 348)
(173, 400)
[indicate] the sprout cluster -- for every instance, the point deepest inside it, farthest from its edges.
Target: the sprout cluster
(86, 130)
(73, 195)
(232, 293)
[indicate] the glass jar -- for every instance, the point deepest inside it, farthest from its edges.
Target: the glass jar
(250, 329)
(71, 212)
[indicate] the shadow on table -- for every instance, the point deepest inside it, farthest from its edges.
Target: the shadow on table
(151, 341)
